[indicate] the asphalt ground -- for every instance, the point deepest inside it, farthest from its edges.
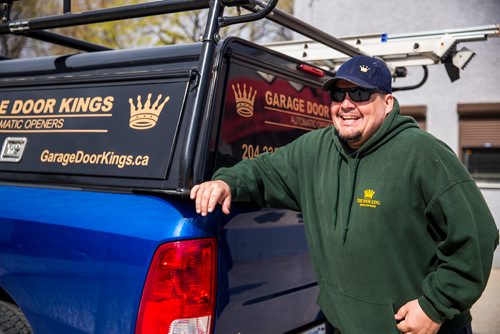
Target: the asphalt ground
(486, 311)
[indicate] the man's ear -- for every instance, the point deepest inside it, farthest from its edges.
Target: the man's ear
(389, 103)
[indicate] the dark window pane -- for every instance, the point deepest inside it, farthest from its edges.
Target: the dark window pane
(483, 163)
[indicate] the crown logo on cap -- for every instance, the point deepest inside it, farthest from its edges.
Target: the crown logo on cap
(364, 68)
(145, 116)
(244, 100)
(369, 193)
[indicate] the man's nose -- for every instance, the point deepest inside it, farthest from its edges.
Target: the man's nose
(347, 104)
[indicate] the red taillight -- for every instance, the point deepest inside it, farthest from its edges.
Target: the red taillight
(311, 69)
(179, 295)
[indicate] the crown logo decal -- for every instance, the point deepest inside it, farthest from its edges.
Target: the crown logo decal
(244, 100)
(364, 68)
(369, 193)
(145, 116)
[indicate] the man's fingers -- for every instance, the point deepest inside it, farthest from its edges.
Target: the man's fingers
(402, 312)
(412, 319)
(226, 205)
(214, 197)
(193, 192)
(207, 195)
(403, 327)
(202, 198)
(400, 316)
(205, 198)
(197, 198)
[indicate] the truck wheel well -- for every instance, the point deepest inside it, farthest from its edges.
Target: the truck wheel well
(12, 319)
(6, 297)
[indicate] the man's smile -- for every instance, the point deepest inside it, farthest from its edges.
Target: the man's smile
(348, 119)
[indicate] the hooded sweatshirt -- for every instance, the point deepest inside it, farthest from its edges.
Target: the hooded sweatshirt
(396, 220)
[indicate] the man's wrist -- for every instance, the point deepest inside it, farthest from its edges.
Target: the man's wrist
(430, 310)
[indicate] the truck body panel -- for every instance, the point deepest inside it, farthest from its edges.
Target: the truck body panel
(82, 270)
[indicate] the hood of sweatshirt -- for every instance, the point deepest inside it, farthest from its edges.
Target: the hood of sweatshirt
(393, 124)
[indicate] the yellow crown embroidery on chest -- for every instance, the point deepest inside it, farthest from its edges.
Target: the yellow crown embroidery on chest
(367, 201)
(369, 193)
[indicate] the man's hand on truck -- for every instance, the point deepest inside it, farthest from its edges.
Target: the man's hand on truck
(208, 194)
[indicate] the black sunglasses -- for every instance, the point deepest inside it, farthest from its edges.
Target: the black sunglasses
(356, 94)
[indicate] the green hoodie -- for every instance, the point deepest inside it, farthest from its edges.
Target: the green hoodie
(396, 220)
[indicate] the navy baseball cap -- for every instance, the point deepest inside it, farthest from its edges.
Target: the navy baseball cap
(363, 71)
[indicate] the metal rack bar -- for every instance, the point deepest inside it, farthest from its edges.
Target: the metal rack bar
(307, 30)
(102, 15)
(69, 42)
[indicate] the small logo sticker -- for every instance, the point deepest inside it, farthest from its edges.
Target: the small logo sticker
(367, 201)
(245, 100)
(12, 149)
(145, 116)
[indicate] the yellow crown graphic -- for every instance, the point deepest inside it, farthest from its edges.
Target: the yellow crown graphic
(369, 193)
(145, 116)
(364, 68)
(244, 100)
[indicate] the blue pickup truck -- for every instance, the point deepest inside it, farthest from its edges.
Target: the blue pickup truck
(98, 153)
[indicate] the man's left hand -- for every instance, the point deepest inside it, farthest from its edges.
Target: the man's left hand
(413, 320)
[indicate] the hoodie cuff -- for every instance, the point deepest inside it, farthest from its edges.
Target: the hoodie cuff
(430, 310)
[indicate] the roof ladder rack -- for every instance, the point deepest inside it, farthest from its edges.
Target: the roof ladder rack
(398, 51)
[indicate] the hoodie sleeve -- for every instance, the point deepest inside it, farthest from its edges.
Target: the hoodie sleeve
(465, 250)
(270, 179)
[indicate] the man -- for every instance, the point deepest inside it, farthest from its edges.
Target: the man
(400, 237)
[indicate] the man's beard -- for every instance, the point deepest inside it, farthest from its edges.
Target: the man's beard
(350, 137)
